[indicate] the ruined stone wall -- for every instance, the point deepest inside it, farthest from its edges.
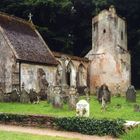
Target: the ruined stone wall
(110, 60)
(7, 61)
(74, 65)
(29, 75)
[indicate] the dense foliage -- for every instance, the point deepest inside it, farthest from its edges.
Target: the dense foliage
(27, 120)
(83, 125)
(92, 126)
(66, 24)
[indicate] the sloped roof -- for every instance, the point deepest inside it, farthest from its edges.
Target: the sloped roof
(77, 58)
(26, 41)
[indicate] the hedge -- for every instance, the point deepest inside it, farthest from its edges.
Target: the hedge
(28, 120)
(91, 126)
(88, 126)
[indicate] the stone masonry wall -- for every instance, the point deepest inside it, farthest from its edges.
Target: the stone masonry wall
(7, 61)
(110, 59)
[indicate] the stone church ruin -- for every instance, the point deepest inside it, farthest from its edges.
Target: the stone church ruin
(26, 58)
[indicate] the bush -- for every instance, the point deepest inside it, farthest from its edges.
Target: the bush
(75, 124)
(91, 126)
(27, 120)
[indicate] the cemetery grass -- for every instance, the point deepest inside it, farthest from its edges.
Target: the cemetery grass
(4, 135)
(118, 108)
(132, 135)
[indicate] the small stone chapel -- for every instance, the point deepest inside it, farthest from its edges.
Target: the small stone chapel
(26, 59)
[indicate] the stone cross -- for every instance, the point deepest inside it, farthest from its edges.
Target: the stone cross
(64, 81)
(57, 101)
(72, 97)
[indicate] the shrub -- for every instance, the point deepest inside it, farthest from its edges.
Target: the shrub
(27, 120)
(76, 124)
(91, 126)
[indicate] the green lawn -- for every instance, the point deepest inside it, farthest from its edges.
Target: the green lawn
(125, 111)
(132, 135)
(4, 135)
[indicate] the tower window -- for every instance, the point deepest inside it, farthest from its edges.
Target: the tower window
(121, 35)
(104, 31)
(95, 26)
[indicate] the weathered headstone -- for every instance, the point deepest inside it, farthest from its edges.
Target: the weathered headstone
(118, 90)
(136, 108)
(97, 88)
(43, 94)
(14, 96)
(24, 96)
(103, 103)
(57, 101)
(82, 108)
(72, 97)
(1, 95)
(77, 95)
(65, 94)
(33, 96)
(86, 91)
(50, 94)
(104, 91)
(131, 94)
(6, 97)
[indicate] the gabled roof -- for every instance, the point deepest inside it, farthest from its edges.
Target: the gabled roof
(26, 41)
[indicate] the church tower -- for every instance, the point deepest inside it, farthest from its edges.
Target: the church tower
(109, 56)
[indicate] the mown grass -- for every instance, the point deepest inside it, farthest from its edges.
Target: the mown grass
(4, 135)
(118, 108)
(132, 135)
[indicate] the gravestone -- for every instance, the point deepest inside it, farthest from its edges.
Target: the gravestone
(82, 108)
(24, 96)
(104, 91)
(6, 97)
(97, 91)
(1, 95)
(50, 94)
(14, 96)
(72, 97)
(103, 103)
(87, 93)
(33, 96)
(118, 90)
(65, 93)
(136, 108)
(131, 94)
(57, 99)
(43, 84)
(77, 95)
(43, 94)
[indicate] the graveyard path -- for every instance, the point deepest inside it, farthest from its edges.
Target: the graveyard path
(50, 132)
